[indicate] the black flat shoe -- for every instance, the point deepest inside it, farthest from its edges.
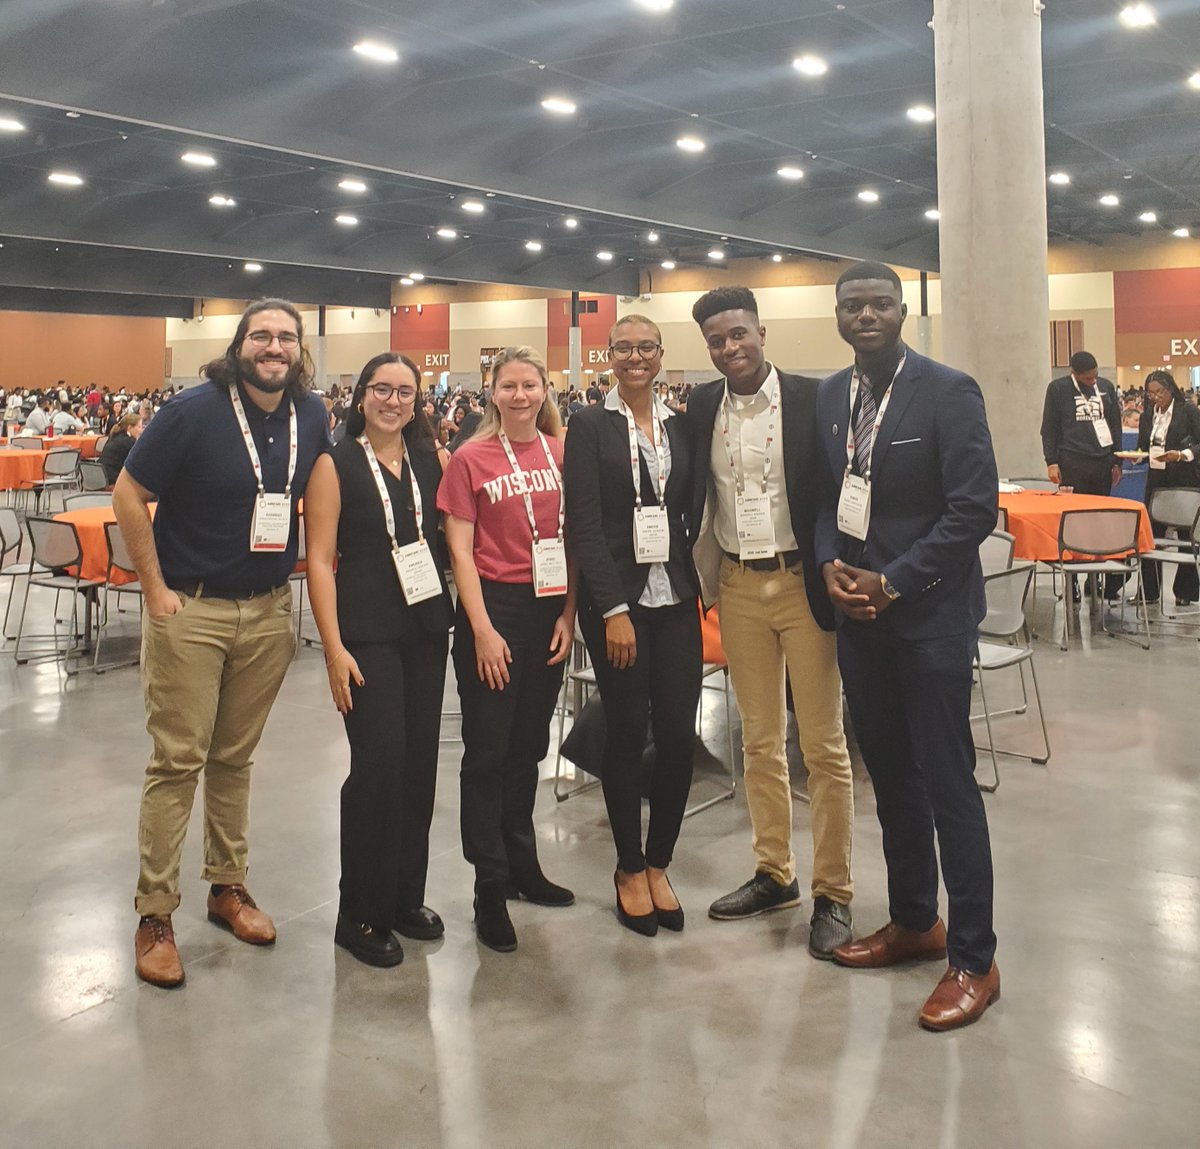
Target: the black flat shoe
(644, 924)
(670, 919)
(421, 924)
(493, 926)
(539, 890)
(372, 945)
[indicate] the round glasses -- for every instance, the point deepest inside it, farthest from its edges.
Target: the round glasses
(646, 349)
(383, 392)
(263, 338)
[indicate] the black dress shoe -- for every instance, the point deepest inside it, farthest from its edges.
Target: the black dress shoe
(493, 926)
(830, 928)
(372, 945)
(759, 895)
(540, 890)
(421, 924)
(644, 924)
(670, 919)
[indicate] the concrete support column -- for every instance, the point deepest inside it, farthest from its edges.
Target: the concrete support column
(992, 199)
(317, 348)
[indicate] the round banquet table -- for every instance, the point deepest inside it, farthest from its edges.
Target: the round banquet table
(1033, 518)
(85, 443)
(17, 466)
(89, 525)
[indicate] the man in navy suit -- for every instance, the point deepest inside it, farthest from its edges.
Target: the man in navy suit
(911, 493)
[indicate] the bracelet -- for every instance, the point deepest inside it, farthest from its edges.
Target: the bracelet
(330, 661)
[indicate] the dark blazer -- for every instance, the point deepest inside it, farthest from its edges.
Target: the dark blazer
(933, 496)
(802, 478)
(600, 501)
(1183, 433)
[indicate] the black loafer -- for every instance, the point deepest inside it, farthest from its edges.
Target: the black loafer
(372, 945)
(493, 926)
(761, 894)
(421, 924)
(540, 890)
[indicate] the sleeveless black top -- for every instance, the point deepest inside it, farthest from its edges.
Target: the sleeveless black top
(371, 606)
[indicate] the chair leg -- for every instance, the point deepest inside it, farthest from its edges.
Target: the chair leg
(1041, 715)
(987, 717)
(726, 794)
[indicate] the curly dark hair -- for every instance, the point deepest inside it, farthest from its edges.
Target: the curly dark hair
(227, 370)
(723, 299)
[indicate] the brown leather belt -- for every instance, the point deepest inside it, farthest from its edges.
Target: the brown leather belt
(782, 560)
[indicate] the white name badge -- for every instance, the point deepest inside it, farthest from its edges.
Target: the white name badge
(854, 507)
(1157, 462)
(755, 527)
(417, 572)
(272, 523)
(651, 534)
(1103, 433)
(549, 567)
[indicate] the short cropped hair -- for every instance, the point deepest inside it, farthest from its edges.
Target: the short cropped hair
(723, 299)
(869, 269)
(1083, 361)
(626, 320)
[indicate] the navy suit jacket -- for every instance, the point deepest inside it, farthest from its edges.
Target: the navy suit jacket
(933, 497)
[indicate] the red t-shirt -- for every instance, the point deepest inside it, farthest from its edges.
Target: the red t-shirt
(479, 487)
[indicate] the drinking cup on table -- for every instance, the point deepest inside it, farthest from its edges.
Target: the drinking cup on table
(1065, 490)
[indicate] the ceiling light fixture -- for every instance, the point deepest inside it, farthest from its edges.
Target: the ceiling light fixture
(374, 50)
(73, 115)
(67, 179)
(921, 114)
(810, 65)
(667, 265)
(571, 223)
(693, 144)
(11, 125)
(416, 276)
(604, 256)
(221, 201)
(868, 196)
(1148, 217)
(447, 233)
(1110, 200)
(1194, 81)
(716, 253)
(652, 237)
(407, 281)
(473, 206)
(346, 220)
(790, 172)
(559, 105)
(656, 5)
(1138, 16)
(532, 245)
(349, 185)
(933, 213)
(1181, 232)
(253, 266)
(199, 159)
(777, 258)
(1060, 178)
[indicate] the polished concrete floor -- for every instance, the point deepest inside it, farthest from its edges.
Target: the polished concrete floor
(726, 1035)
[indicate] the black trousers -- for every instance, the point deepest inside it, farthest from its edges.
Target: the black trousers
(505, 733)
(387, 800)
(1186, 584)
(662, 687)
(910, 703)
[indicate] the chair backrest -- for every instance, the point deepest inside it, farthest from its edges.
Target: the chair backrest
(55, 544)
(1002, 519)
(1006, 591)
(91, 474)
(87, 499)
(1175, 506)
(1035, 483)
(26, 443)
(10, 533)
(1098, 533)
(118, 553)
(710, 638)
(61, 461)
(101, 443)
(996, 552)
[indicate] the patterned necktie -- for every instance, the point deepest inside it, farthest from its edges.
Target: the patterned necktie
(864, 427)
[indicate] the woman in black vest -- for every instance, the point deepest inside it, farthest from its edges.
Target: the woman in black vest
(637, 611)
(371, 504)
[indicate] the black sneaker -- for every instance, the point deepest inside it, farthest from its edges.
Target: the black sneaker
(831, 923)
(372, 945)
(759, 895)
(421, 924)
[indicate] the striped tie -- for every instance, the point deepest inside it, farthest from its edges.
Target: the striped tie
(864, 428)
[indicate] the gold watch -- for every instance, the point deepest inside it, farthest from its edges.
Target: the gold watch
(887, 588)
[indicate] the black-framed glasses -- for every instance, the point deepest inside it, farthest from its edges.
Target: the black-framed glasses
(383, 392)
(287, 339)
(647, 349)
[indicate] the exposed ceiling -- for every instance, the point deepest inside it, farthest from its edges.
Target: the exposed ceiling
(273, 92)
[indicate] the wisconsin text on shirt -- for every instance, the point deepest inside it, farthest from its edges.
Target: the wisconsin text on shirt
(511, 486)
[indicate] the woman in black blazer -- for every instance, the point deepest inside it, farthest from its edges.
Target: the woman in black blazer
(1169, 425)
(638, 610)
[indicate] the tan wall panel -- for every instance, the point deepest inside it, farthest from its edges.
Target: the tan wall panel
(466, 342)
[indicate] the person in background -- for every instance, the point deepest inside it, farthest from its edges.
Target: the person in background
(119, 444)
(1170, 431)
(116, 413)
(37, 422)
(466, 424)
(371, 512)
(503, 501)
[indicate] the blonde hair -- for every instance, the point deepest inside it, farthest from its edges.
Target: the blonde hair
(549, 420)
(627, 320)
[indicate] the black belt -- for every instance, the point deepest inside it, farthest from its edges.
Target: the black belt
(203, 590)
(782, 559)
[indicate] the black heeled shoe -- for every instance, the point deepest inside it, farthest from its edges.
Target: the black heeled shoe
(644, 924)
(670, 919)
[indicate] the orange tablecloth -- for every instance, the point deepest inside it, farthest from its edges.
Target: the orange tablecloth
(17, 465)
(1033, 518)
(89, 524)
(85, 443)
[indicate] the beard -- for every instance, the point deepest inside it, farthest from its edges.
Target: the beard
(248, 370)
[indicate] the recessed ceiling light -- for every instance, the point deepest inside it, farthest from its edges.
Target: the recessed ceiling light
(1060, 178)
(416, 276)
(921, 114)
(868, 196)
(652, 237)
(380, 53)
(777, 258)
(933, 213)
(716, 253)
(253, 266)
(604, 256)
(1194, 81)
(532, 245)
(346, 220)
(1181, 232)
(559, 105)
(406, 281)
(810, 65)
(221, 201)
(791, 172)
(1110, 200)
(1148, 217)
(447, 233)
(10, 125)
(73, 115)
(571, 223)
(67, 179)
(656, 5)
(1138, 16)
(668, 265)
(692, 144)
(473, 206)
(349, 185)
(199, 159)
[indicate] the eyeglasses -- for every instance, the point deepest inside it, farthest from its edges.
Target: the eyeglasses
(287, 339)
(383, 392)
(646, 350)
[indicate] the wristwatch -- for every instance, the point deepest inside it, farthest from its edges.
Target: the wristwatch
(887, 588)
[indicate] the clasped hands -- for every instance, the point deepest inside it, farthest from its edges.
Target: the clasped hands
(857, 593)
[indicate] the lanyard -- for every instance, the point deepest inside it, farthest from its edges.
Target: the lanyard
(388, 514)
(739, 481)
(656, 438)
(855, 381)
(523, 482)
(293, 442)
(1095, 404)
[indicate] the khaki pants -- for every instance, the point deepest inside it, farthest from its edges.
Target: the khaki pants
(210, 675)
(767, 626)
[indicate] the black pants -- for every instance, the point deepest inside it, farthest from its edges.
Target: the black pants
(910, 703)
(505, 733)
(1091, 476)
(662, 687)
(387, 801)
(1186, 585)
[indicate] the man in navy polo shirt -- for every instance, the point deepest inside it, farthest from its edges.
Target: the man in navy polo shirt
(227, 463)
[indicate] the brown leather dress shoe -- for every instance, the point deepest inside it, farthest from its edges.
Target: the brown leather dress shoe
(960, 998)
(236, 910)
(893, 944)
(157, 959)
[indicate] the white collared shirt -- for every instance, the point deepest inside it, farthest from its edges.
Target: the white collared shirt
(1158, 432)
(748, 418)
